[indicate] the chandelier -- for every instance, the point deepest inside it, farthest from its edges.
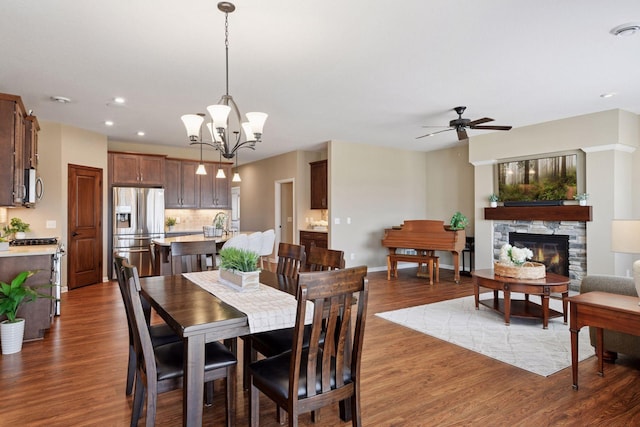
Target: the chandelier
(223, 138)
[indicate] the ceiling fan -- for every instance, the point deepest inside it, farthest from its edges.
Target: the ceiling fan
(460, 124)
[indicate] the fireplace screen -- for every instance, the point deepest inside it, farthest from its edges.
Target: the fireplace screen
(552, 250)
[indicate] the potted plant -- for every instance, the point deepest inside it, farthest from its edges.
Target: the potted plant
(17, 227)
(170, 222)
(581, 198)
(458, 221)
(219, 222)
(12, 296)
(239, 267)
(493, 200)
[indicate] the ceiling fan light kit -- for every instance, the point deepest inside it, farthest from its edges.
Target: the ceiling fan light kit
(225, 137)
(461, 124)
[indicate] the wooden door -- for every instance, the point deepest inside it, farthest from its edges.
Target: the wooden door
(84, 251)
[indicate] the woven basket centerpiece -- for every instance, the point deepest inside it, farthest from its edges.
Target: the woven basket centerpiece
(527, 270)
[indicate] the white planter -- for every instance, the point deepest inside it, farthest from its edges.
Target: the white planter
(4, 246)
(582, 202)
(239, 279)
(494, 204)
(20, 234)
(11, 335)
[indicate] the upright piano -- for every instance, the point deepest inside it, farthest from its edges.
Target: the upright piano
(426, 235)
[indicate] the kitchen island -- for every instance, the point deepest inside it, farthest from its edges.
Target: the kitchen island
(162, 250)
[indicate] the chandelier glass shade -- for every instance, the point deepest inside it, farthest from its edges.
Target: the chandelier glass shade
(228, 131)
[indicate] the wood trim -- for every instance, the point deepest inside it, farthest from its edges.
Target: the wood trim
(540, 213)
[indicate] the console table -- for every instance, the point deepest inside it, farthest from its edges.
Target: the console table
(602, 311)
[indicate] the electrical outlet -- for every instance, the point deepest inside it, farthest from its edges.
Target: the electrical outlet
(336, 221)
(353, 256)
(51, 223)
(348, 220)
(177, 220)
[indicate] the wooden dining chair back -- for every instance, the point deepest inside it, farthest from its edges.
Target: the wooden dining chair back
(160, 333)
(326, 371)
(322, 259)
(161, 368)
(187, 257)
(290, 258)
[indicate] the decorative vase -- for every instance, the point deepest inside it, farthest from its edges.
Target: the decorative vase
(494, 204)
(20, 235)
(240, 279)
(11, 335)
(582, 202)
(170, 228)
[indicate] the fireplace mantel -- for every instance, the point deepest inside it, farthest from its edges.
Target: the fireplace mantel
(539, 213)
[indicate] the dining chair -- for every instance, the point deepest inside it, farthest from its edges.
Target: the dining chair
(335, 366)
(187, 257)
(161, 368)
(290, 259)
(322, 259)
(268, 241)
(160, 333)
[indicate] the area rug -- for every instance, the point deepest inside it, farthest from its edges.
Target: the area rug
(524, 343)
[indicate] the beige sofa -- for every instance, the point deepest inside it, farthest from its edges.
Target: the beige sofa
(614, 342)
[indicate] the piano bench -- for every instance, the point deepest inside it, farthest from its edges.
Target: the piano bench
(430, 260)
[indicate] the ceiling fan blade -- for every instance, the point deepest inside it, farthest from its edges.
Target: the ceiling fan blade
(427, 126)
(433, 133)
(480, 121)
(462, 134)
(492, 127)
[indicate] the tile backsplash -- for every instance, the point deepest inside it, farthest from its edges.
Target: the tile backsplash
(193, 219)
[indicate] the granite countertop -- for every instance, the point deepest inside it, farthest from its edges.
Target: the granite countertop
(166, 241)
(29, 250)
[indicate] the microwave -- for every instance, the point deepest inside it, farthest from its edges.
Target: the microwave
(34, 187)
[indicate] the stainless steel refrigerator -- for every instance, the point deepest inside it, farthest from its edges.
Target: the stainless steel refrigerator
(138, 218)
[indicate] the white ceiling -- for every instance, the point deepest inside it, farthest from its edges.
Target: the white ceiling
(365, 71)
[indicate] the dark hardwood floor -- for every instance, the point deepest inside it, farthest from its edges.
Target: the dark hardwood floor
(76, 375)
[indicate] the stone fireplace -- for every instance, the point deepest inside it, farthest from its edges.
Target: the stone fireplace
(546, 228)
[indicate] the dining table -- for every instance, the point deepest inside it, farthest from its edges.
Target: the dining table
(199, 317)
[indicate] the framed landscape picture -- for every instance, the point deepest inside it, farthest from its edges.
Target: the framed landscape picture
(550, 179)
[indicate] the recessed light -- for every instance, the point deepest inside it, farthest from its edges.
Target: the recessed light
(119, 100)
(108, 123)
(608, 95)
(626, 30)
(61, 99)
(140, 133)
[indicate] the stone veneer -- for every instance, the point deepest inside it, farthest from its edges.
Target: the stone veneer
(576, 230)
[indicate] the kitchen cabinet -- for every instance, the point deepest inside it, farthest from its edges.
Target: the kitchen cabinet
(319, 195)
(137, 169)
(185, 189)
(12, 139)
(215, 192)
(32, 127)
(38, 314)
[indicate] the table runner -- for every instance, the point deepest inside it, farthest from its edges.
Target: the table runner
(266, 308)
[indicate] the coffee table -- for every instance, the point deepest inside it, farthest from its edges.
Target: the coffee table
(552, 283)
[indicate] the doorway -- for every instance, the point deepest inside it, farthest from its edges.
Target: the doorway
(84, 225)
(285, 213)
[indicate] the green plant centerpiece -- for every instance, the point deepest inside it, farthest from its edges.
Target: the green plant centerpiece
(458, 221)
(239, 268)
(12, 296)
(170, 222)
(16, 225)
